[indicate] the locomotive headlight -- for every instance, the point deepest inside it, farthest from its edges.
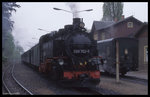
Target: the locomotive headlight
(82, 24)
(60, 61)
(81, 63)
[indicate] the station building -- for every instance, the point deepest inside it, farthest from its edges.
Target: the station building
(127, 27)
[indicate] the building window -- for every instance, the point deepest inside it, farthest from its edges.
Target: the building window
(145, 54)
(102, 36)
(95, 36)
(108, 51)
(130, 24)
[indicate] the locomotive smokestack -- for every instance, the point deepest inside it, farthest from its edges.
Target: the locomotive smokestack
(77, 20)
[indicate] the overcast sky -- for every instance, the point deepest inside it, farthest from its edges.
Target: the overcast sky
(33, 15)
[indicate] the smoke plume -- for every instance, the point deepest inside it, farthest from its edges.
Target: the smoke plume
(74, 8)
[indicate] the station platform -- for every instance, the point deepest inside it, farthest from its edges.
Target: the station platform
(139, 74)
(126, 87)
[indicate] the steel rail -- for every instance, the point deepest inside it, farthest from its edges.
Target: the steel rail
(5, 86)
(20, 83)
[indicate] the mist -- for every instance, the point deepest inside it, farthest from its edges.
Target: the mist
(34, 15)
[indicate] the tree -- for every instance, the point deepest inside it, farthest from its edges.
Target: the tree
(112, 11)
(7, 27)
(7, 8)
(18, 50)
(8, 45)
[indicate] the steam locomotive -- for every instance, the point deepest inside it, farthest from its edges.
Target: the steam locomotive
(68, 56)
(128, 54)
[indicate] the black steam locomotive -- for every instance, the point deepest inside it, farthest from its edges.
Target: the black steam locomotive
(69, 55)
(128, 54)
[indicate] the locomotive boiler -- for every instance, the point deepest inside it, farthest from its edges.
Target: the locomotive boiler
(68, 55)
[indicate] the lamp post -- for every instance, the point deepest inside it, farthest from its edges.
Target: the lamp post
(43, 30)
(34, 38)
(73, 12)
(62, 10)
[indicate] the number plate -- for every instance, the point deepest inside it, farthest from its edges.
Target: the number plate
(81, 51)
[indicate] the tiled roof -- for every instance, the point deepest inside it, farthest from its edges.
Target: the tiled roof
(102, 24)
(105, 24)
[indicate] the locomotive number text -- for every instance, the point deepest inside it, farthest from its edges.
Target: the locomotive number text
(81, 51)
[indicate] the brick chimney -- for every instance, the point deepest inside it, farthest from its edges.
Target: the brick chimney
(115, 19)
(122, 17)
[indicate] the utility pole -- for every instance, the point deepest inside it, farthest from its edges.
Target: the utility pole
(117, 61)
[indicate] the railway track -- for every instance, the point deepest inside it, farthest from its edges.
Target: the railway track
(6, 90)
(11, 84)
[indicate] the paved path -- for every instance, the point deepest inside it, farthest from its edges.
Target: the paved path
(138, 74)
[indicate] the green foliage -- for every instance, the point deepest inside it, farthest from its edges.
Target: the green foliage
(7, 8)
(17, 52)
(112, 11)
(4, 59)
(8, 45)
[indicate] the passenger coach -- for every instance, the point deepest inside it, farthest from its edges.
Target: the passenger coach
(128, 54)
